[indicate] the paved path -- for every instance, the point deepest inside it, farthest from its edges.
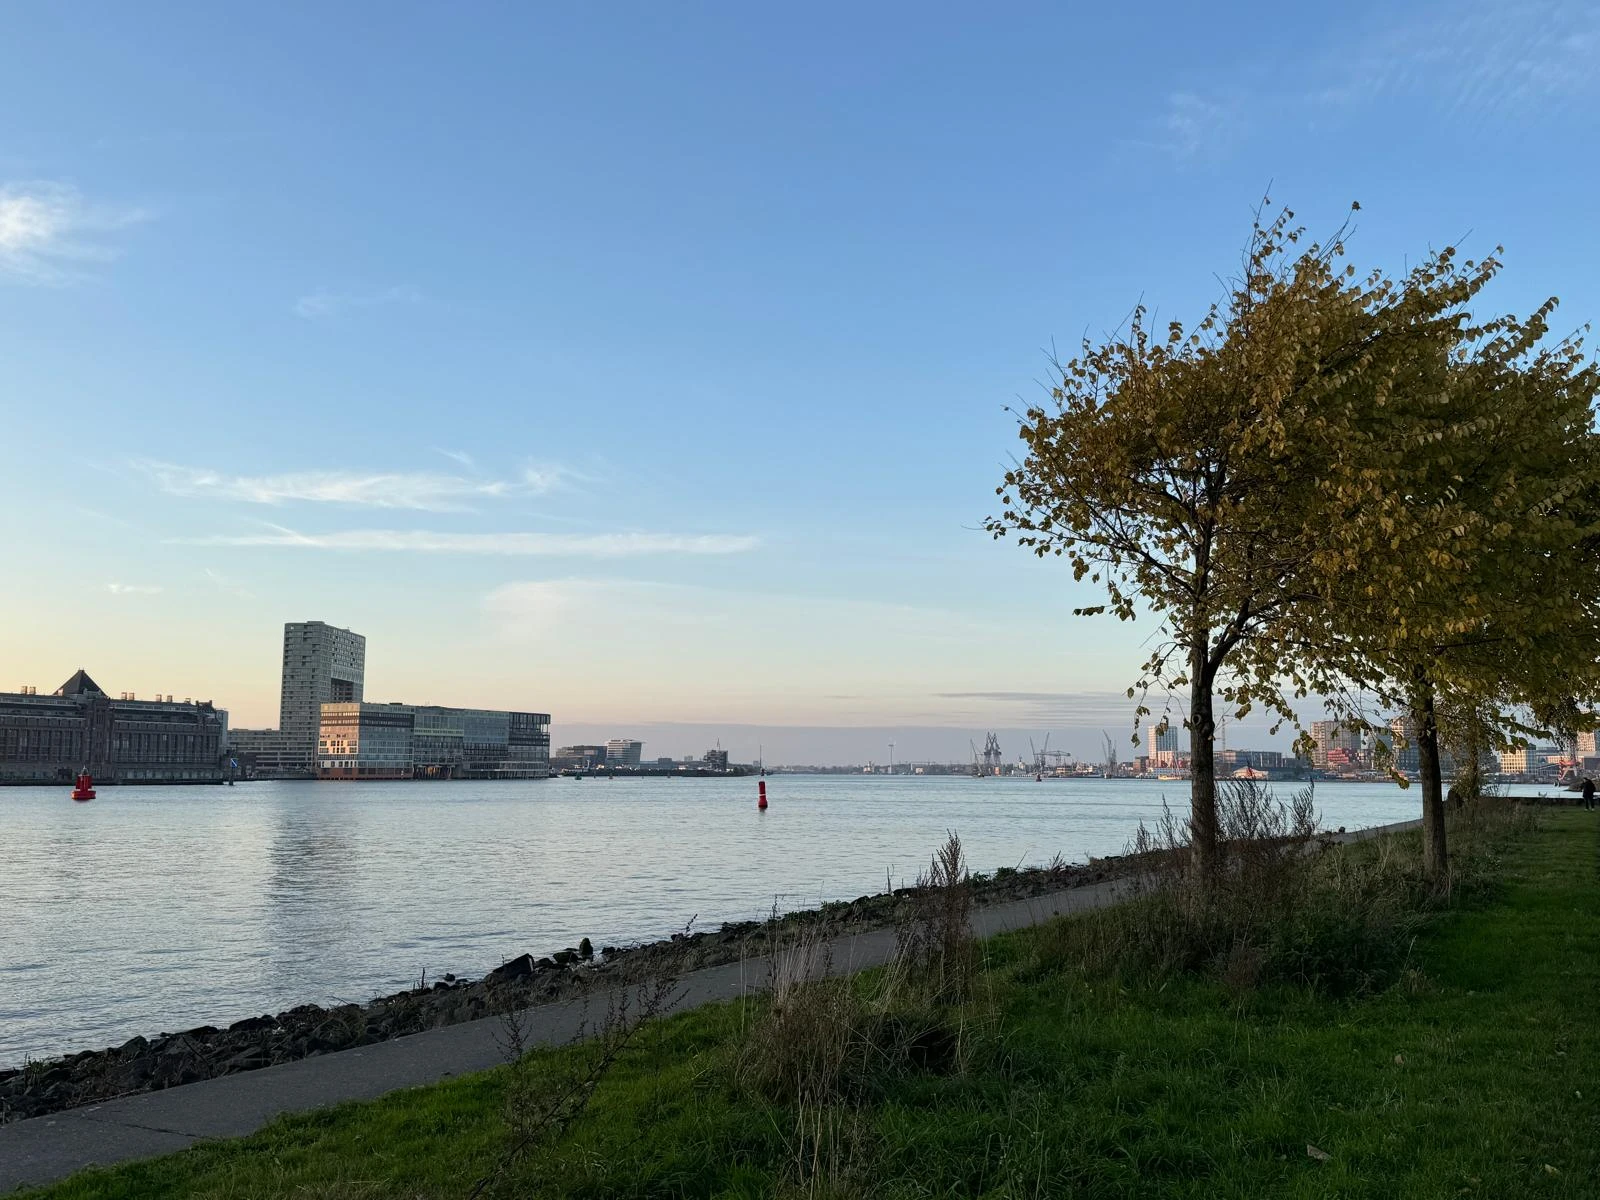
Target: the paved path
(45, 1149)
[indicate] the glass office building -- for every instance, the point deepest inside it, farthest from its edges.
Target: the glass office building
(425, 741)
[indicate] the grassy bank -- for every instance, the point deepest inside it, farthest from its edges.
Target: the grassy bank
(1465, 1067)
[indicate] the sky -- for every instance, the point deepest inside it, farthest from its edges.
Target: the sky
(649, 365)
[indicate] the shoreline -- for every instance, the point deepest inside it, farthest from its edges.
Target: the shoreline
(145, 1064)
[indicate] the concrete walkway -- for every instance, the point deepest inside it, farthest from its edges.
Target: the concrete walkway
(45, 1149)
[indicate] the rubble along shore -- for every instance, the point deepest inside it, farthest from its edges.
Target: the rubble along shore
(172, 1059)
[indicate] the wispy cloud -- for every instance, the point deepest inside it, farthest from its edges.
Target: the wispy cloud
(426, 491)
(49, 234)
(422, 541)
(460, 456)
(1194, 125)
(223, 583)
(842, 628)
(132, 589)
(1480, 57)
(1047, 708)
(323, 304)
(1465, 59)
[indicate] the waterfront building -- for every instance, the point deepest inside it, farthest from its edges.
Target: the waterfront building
(1527, 760)
(322, 664)
(624, 752)
(1402, 743)
(578, 758)
(1338, 747)
(1167, 747)
(49, 739)
(1256, 760)
(716, 760)
(265, 754)
(422, 741)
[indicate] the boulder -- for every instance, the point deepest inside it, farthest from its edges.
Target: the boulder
(518, 968)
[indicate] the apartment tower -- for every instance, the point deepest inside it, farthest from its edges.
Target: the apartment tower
(322, 664)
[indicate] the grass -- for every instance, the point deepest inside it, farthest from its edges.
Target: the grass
(1472, 1073)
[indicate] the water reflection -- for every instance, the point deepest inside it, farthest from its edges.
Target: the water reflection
(309, 911)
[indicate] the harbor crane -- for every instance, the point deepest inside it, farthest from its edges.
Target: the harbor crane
(1109, 746)
(991, 755)
(1040, 754)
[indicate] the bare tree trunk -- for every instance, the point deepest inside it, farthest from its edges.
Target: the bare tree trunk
(1434, 857)
(1202, 758)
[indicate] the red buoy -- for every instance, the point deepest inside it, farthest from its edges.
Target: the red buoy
(85, 788)
(761, 804)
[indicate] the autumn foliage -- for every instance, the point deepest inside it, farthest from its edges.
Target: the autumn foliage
(1334, 484)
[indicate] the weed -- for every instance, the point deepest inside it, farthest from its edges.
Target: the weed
(546, 1093)
(934, 934)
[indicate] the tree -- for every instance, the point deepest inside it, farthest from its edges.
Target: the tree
(1460, 573)
(1183, 473)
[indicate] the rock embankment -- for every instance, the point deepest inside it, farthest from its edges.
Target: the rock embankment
(171, 1059)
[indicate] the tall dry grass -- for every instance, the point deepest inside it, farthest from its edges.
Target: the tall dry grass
(1282, 908)
(826, 1046)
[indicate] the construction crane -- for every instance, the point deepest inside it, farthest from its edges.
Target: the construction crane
(1040, 753)
(1109, 746)
(991, 755)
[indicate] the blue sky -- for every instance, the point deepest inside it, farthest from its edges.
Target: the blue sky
(647, 364)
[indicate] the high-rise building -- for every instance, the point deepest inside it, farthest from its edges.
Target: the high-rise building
(1338, 748)
(322, 664)
(1167, 748)
(1402, 743)
(624, 752)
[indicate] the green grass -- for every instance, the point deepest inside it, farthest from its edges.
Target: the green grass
(1475, 1075)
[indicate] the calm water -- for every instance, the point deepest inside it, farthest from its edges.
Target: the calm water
(155, 909)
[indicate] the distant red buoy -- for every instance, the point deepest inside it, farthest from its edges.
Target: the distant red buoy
(761, 804)
(85, 788)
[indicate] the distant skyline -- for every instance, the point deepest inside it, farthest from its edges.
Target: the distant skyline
(648, 365)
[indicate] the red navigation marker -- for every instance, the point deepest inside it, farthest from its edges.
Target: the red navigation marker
(761, 804)
(85, 788)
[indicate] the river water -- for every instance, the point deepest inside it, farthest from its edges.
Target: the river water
(155, 909)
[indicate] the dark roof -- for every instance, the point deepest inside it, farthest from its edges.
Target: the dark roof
(79, 684)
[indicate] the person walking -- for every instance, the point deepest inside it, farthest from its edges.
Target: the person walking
(1588, 794)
